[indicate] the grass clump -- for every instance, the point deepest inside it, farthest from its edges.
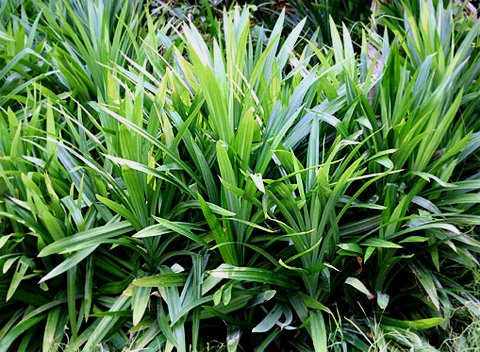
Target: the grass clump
(252, 191)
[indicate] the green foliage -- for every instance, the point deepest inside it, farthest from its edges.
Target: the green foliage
(318, 12)
(164, 190)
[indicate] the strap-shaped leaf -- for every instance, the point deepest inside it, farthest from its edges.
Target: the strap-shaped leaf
(270, 319)
(68, 263)
(265, 276)
(161, 280)
(90, 238)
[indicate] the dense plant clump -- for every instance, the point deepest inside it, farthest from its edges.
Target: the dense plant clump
(249, 189)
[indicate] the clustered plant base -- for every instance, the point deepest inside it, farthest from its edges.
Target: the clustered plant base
(166, 190)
